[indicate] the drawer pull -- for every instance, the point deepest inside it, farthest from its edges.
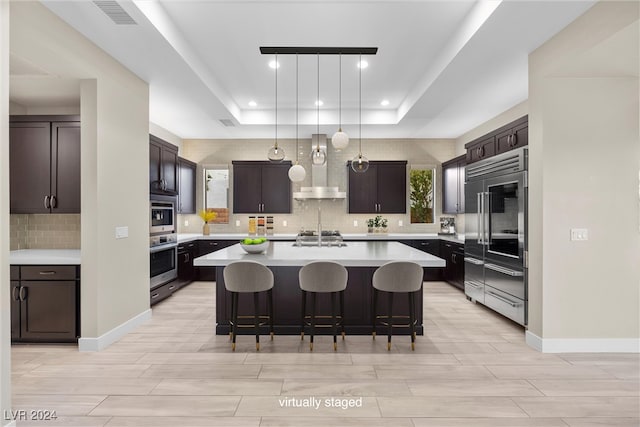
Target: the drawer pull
(155, 296)
(504, 300)
(47, 273)
(172, 287)
(512, 273)
(473, 285)
(473, 261)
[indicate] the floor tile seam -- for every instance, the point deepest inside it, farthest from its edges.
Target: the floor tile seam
(520, 407)
(96, 406)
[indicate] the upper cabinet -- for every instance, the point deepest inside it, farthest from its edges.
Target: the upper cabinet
(509, 137)
(186, 186)
(44, 163)
(453, 185)
(261, 187)
(163, 167)
(381, 189)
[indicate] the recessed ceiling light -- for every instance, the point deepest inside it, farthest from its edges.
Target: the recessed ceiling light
(319, 103)
(253, 104)
(363, 64)
(274, 64)
(384, 102)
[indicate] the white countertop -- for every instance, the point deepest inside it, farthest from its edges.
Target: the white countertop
(45, 257)
(354, 254)
(184, 237)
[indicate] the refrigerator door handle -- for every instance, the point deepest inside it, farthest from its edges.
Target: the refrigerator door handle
(486, 208)
(478, 219)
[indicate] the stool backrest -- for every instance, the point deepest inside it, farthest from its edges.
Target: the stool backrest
(398, 276)
(247, 276)
(323, 276)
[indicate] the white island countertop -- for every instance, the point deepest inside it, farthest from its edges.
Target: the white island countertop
(45, 257)
(354, 254)
(188, 237)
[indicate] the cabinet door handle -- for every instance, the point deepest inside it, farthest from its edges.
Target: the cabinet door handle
(47, 273)
(46, 202)
(54, 202)
(15, 293)
(23, 293)
(514, 139)
(186, 260)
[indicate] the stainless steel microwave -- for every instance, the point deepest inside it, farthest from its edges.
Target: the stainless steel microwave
(162, 217)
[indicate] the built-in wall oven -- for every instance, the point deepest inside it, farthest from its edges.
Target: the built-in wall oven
(496, 233)
(163, 241)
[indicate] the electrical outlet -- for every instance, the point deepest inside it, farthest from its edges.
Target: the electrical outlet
(284, 222)
(400, 223)
(355, 222)
(186, 222)
(122, 232)
(237, 223)
(579, 234)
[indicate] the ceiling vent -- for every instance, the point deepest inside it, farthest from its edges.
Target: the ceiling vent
(114, 11)
(227, 123)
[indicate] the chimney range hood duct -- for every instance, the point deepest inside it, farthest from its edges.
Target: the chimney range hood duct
(319, 189)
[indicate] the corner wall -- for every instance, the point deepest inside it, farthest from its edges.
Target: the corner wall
(584, 164)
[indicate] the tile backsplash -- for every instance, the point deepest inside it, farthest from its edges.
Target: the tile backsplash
(418, 152)
(44, 231)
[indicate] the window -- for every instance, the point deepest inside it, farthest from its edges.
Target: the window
(422, 196)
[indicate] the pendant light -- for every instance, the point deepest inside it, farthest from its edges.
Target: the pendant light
(276, 154)
(340, 140)
(297, 172)
(318, 156)
(360, 163)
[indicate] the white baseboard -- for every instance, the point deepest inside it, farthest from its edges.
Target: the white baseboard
(105, 340)
(582, 345)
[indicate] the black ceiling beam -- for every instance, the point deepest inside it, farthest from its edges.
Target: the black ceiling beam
(289, 50)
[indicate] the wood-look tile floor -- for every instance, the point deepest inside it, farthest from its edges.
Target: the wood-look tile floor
(471, 368)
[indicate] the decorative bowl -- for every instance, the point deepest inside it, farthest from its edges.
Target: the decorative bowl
(255, 249)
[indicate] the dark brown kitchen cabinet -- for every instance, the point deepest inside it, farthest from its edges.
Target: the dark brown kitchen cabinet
(163, 166)
(45, 304)
(508, 137)
(186, 270)
(204, 247)
(186, 186)
(44, 163)
(453, 254)
(430, 246)
(381, 189)
(261, 187)
(453, 185)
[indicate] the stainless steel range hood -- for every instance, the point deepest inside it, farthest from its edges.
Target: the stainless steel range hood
(319, 174)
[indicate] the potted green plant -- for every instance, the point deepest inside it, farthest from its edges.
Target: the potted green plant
(383, 224)
(377, 223)
(370, 223)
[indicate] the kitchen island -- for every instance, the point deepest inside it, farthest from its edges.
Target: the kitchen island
(285, 260)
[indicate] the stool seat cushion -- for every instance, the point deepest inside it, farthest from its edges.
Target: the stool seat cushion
(398, 276)
(323, 276)
(247, 276)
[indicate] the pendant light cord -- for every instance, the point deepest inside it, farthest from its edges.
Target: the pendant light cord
(318, 106)
(276, 143)
(340, 95)
(297, 150)
(360, 109)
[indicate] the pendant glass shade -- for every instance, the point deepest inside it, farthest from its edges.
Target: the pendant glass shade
(360, 164)
(340, 140)
(276, 154)
(297, 173)
(318, 156)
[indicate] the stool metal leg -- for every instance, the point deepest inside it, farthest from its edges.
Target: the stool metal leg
(412, 319)
(234, 317)
(304, 313)
(270, 306)
(342, 313)
(373, 312)
(313, 318)
(333, 320)
(256, 320)
(390, 319)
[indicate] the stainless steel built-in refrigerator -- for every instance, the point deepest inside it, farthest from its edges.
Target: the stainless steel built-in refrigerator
(496, 233)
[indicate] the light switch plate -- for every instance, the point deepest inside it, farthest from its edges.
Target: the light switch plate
(579, 234)
(284, 223)
(355, 222)
(400, 223)
(122, 232)
(186, 222)
(237, 223)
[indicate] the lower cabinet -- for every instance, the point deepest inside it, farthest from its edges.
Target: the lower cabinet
(186, 270)
(430, 246)
(205, 247)
(45, 303)
(162, 292)
(453, 254)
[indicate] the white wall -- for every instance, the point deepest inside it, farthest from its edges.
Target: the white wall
(115, 124)
(5, 322)
(161, 132)
(584, 162)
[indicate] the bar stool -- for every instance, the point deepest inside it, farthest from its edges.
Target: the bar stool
(323, 277)
(244, 277)
(393, 277)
